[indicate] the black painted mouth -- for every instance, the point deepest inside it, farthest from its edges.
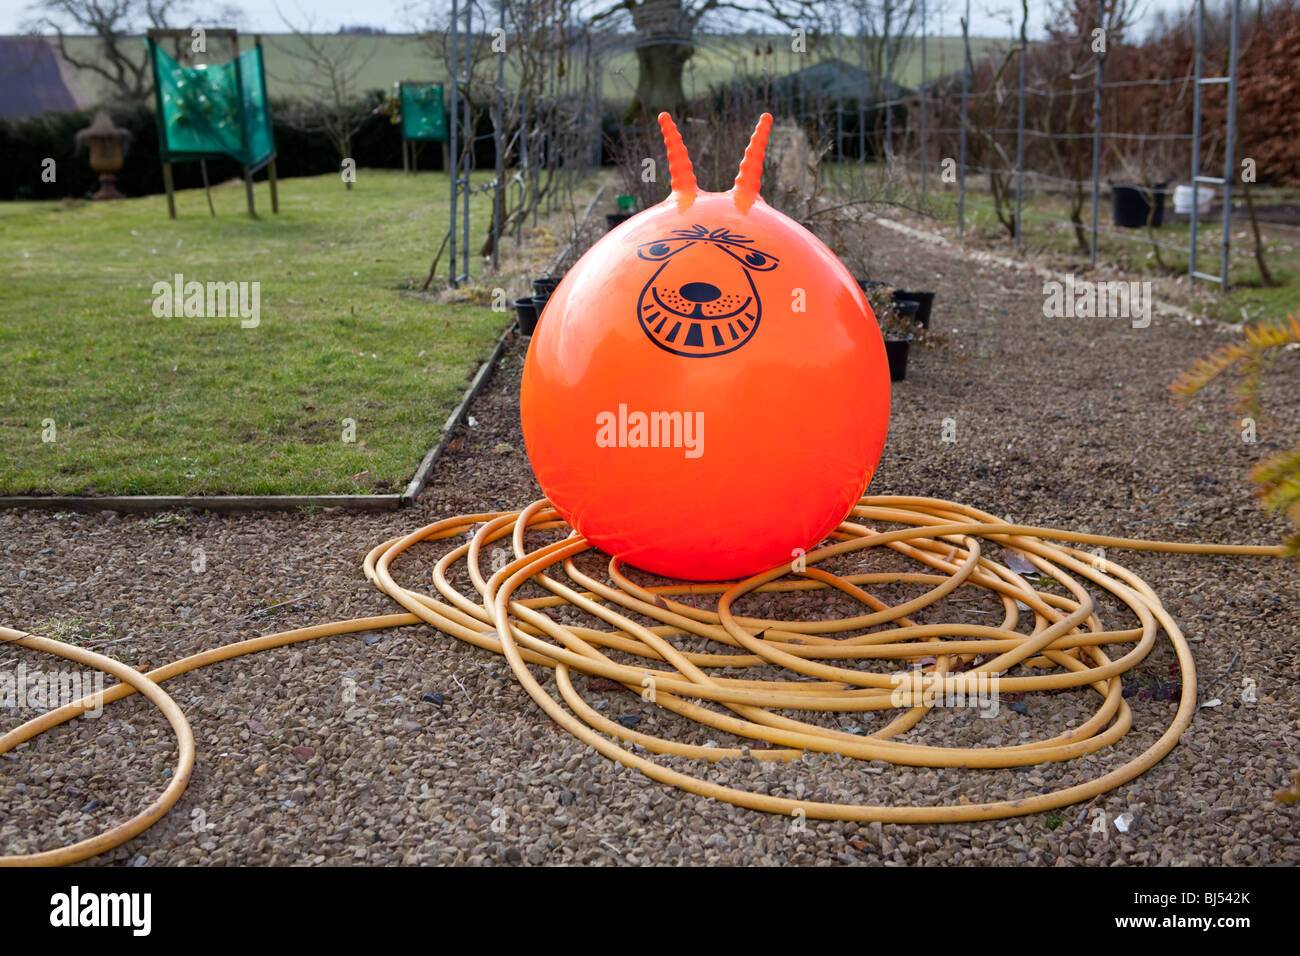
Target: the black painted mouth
(698, 312)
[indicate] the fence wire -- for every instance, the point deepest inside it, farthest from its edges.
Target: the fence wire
(948, 128)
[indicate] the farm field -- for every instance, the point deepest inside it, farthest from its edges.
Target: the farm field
(385, 60)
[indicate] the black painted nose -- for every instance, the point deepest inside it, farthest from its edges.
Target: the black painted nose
(700, 292)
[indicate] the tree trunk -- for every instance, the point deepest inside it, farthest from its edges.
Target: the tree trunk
(1265, 276)
(659, 79)
(664, 31)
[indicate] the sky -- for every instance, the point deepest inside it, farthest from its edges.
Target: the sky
(988, 17)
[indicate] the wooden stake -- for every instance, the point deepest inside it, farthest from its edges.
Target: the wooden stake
(167, 184)
(275, 193)
(203, 168)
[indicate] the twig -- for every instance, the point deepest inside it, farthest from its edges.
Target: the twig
(268, 610)
(117, 640)
(433, 268)
(1228, 670)
(463, 690)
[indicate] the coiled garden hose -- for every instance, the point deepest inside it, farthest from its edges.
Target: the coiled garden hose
(1065, 648)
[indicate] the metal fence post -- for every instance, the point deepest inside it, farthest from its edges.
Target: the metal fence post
(453, 165)
(499, 144)
(1198, 68)
(965, 91)
(1229, 144)
(839, 113)
(467, 111)
(862, 108)
(925, 157)
(1096, 133)
(889, 113)
(553, 119)
(1020, 126)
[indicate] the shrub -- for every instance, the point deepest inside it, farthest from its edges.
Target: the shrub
(1278, 477)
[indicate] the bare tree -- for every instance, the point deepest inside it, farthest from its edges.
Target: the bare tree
(119, 60)
(664, 32)
(542, 113)
(885, 26)
(327, 69)
(1064, 68)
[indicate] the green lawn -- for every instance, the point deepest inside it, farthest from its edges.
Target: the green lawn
(149, 405)
(1132, 251)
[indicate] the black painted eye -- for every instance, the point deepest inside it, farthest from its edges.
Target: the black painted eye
(660, 249)
(749, 258)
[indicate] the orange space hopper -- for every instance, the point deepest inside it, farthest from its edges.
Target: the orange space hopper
(707, 393)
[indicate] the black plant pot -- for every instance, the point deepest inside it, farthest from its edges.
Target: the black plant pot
(1129, 206)
(924, 301)
(615, 219)
(896, 351)
(545, 285)
(526, 311)
(907, 309)
(866, 284)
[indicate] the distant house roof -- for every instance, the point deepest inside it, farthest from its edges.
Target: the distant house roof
(31, 82)
(837, 79)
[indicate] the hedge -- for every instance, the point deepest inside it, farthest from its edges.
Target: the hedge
(26, 143)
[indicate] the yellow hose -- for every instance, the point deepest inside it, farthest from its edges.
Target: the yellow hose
(1065, 648)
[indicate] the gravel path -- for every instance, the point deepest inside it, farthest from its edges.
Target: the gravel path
(410, 747)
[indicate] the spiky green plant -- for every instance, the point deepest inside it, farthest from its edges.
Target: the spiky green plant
(1278, 477)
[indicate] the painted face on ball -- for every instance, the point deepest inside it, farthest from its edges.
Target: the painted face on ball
(704, 303)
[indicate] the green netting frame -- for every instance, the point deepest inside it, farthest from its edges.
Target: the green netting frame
(423, 115)
(213, 110)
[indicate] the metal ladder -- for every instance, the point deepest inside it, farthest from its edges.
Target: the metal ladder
(1229, 171)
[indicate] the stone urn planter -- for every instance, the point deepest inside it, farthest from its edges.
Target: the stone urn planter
(107, 149)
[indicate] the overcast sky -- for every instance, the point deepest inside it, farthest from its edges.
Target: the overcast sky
(988, 17)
